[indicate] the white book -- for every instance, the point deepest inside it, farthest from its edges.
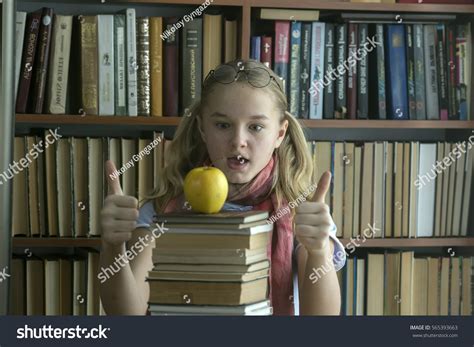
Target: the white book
(317, 71)
(19, 37)
(379, 191)
(431, 76)
(59, 64)
(131, 39)
(426, 192)
(210, 310)
(120, 66)
(105, 43)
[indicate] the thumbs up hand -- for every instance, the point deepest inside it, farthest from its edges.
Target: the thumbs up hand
(119, 213)
(313, 220)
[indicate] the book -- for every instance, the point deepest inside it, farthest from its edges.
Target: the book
(250, 309)
(120, 66)
(426, 192)
(156, 67)
(282, 51)
(191, 63)
(89, 65)
(20, 24)
(451, 70)
(295, 68)
(441, 71)
(329, 57)
(363, 75)
(212, 45)
(255, 45)
(464, 56)
(143, 61)
(375, 276)
(431, 76)
(64, 187)
(266, 51)
(218, 218)
(305, 69)
(106, 79)
(131, 61)
(419, 61)
(230, 39)
(289, 14)
(341, 81)
(317, 70)
(352, 45)
(410, 54)
(171, 70)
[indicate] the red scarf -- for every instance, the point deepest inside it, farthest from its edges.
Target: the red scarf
(257, 193)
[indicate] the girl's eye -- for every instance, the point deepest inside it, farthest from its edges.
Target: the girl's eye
(222, 125)
(256, 127)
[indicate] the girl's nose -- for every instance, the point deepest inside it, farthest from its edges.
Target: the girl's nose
(239, 138)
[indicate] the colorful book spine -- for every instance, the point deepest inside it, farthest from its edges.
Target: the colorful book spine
(317, 70)
(451, 69)
(305, 58)
(419, 58)
(28, 58)
(341, 80)
(132, 65)
(381, 76)
(441, 68)
(89, 65)
(352, 40)
(431, 76)
(411, 71)
(328, 97)
(397, 72)
(463, 49)
(143, 72)
(120, 67)
(156, 68)
(295, 68)
(256, 42)
(282, 52)
(105, 47)
(363, 75)
(266, 51)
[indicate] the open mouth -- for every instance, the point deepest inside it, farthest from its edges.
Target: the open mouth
(237, 162)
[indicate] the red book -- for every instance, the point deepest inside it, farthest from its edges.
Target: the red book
(41, 61)
(352, 39)
(282, 50)
(450, 2)
(266, 51)
(171, 72)
(27, 60)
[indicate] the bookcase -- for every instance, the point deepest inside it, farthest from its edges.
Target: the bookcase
(246, 14)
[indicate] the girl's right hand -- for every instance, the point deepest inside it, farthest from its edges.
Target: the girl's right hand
(119, 213)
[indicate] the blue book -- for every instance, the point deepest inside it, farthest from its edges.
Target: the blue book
(295, 62)
(397, 94)
(255, 48)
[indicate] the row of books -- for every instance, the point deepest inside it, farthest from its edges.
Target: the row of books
(55, 285)
(128, 65)
(401, 189)
(64, 186)
(369, 70)
(211, 264)
(401, 283)
(396, 187)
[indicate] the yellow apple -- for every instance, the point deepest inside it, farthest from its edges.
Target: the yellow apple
(205, 189)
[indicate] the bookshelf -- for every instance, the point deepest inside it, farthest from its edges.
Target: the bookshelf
(364, 129)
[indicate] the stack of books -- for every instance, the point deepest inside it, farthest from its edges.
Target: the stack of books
(211, 264)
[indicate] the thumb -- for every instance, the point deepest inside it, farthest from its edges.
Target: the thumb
(113, 178)
(322, 188)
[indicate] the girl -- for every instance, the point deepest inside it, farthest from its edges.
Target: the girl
(240, 126)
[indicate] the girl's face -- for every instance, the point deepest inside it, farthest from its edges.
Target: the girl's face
(241, 128)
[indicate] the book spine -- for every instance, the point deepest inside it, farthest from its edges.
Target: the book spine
(255, 48)
(382, 96)
(132, 64)
(328, 96)
(89, 64)
(282, 37)
(230, 39)
(397, 72)
(28, 59)
(352, 38)
(441, 67)
(410, 54)
(191, 63)
(20, 25)
(461, 82)
(41, 61)
(419, 71)
(105, 64)
(363, 75)
(120, 68)
(143, 72)
(305, 59)
(295, 69)
(171, 70)
(317, 69)
(266, 51)
(451, 70)
(156, 60)
(431, 77)
(59, 64)
(341, 82)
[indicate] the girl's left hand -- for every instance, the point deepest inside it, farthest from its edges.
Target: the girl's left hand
(313, 220)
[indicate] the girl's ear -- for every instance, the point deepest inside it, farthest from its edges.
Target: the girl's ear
(199, 121)
(281, 133)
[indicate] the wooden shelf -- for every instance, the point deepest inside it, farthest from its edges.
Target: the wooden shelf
(179, 2)
(376, 243)
(174, 121)
(419, 242)
(55, 242)
(370, 7)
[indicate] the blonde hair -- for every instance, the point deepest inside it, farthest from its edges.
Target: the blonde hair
(293, 174)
